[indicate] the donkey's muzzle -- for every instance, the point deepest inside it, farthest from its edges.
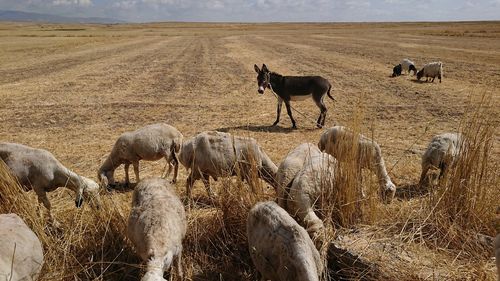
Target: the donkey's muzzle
(261, 89)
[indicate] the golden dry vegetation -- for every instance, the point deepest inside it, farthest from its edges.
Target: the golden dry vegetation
(73, 89)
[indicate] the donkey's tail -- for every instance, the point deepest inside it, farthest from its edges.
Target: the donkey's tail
(328, 93)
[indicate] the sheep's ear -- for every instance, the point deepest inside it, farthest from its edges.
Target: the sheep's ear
(256, 68)
(264, 68)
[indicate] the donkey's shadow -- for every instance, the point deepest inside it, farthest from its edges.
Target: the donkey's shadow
(264, 128)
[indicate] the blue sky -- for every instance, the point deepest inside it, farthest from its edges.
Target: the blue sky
(265, 10)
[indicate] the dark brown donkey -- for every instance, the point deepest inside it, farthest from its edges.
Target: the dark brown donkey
(294, 88)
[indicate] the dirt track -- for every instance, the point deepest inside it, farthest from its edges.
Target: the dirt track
(74, 92)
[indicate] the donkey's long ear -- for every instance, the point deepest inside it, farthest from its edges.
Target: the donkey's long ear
(264, 68)
(256, 68)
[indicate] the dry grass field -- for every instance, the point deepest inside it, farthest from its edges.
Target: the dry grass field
(73, 89)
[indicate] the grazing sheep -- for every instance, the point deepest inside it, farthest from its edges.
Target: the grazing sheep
(338, 141)
(290, 167)
(216, 154)
(156, 226)
(314, 178)
(433, 70)
(441, 152)
(280, 249)
(407, 65)
(150, 143)
(39, 170)
(21, 253)
(396, 71)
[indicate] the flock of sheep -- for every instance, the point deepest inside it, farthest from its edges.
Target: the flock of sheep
(432, 70)
(280, 235)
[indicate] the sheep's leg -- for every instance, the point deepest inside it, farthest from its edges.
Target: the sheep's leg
(167, 172)
(206, 181)
(176, 169)
(127, 178)
(361, 186)
(179, 266)
(443, 167)
(423, 174)
(136, 170)
(189, 186)
(42, 199)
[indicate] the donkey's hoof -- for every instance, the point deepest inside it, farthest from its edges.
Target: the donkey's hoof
(319, 126)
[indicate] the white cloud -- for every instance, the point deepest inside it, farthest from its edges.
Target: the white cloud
(83, 3)
(126, 4)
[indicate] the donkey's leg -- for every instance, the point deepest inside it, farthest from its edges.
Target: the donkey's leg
(322, 115)
(289, 111)
(278, 111)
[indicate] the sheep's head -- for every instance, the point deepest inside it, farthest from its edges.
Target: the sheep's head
(389, 192)
(106, 179)
(413, 68)
(420, 74)
(90, 193)
(323, 141)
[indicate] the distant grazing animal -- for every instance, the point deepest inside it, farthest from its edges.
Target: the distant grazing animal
(339, 140)
(217, 154)
(21, 253)
(294, 88)
(280, 249)
(441, 152)
(39, 170)
(396, 71)
(408, 66)
(432, 70)
(150, 143)
(156, 226)
(290, 167)
(315, 178)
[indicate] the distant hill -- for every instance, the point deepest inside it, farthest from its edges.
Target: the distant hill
(37, 17)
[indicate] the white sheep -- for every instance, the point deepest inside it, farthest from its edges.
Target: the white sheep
(339, 140)
(280, 249)
(156, 226)
(39, 170)
(290, 167)
(432, 70)
(315, 178)
(407, 65)
(21, 253)
(150, 143)
(441, 152)
(217, 154)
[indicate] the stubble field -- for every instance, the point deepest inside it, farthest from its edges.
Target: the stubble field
(73, 89)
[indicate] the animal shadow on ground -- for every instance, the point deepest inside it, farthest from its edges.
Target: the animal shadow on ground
(121, 187)
(409, 191)
(264, 128)
(418, 81)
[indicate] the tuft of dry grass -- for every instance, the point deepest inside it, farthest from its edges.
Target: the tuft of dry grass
(464, 202)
